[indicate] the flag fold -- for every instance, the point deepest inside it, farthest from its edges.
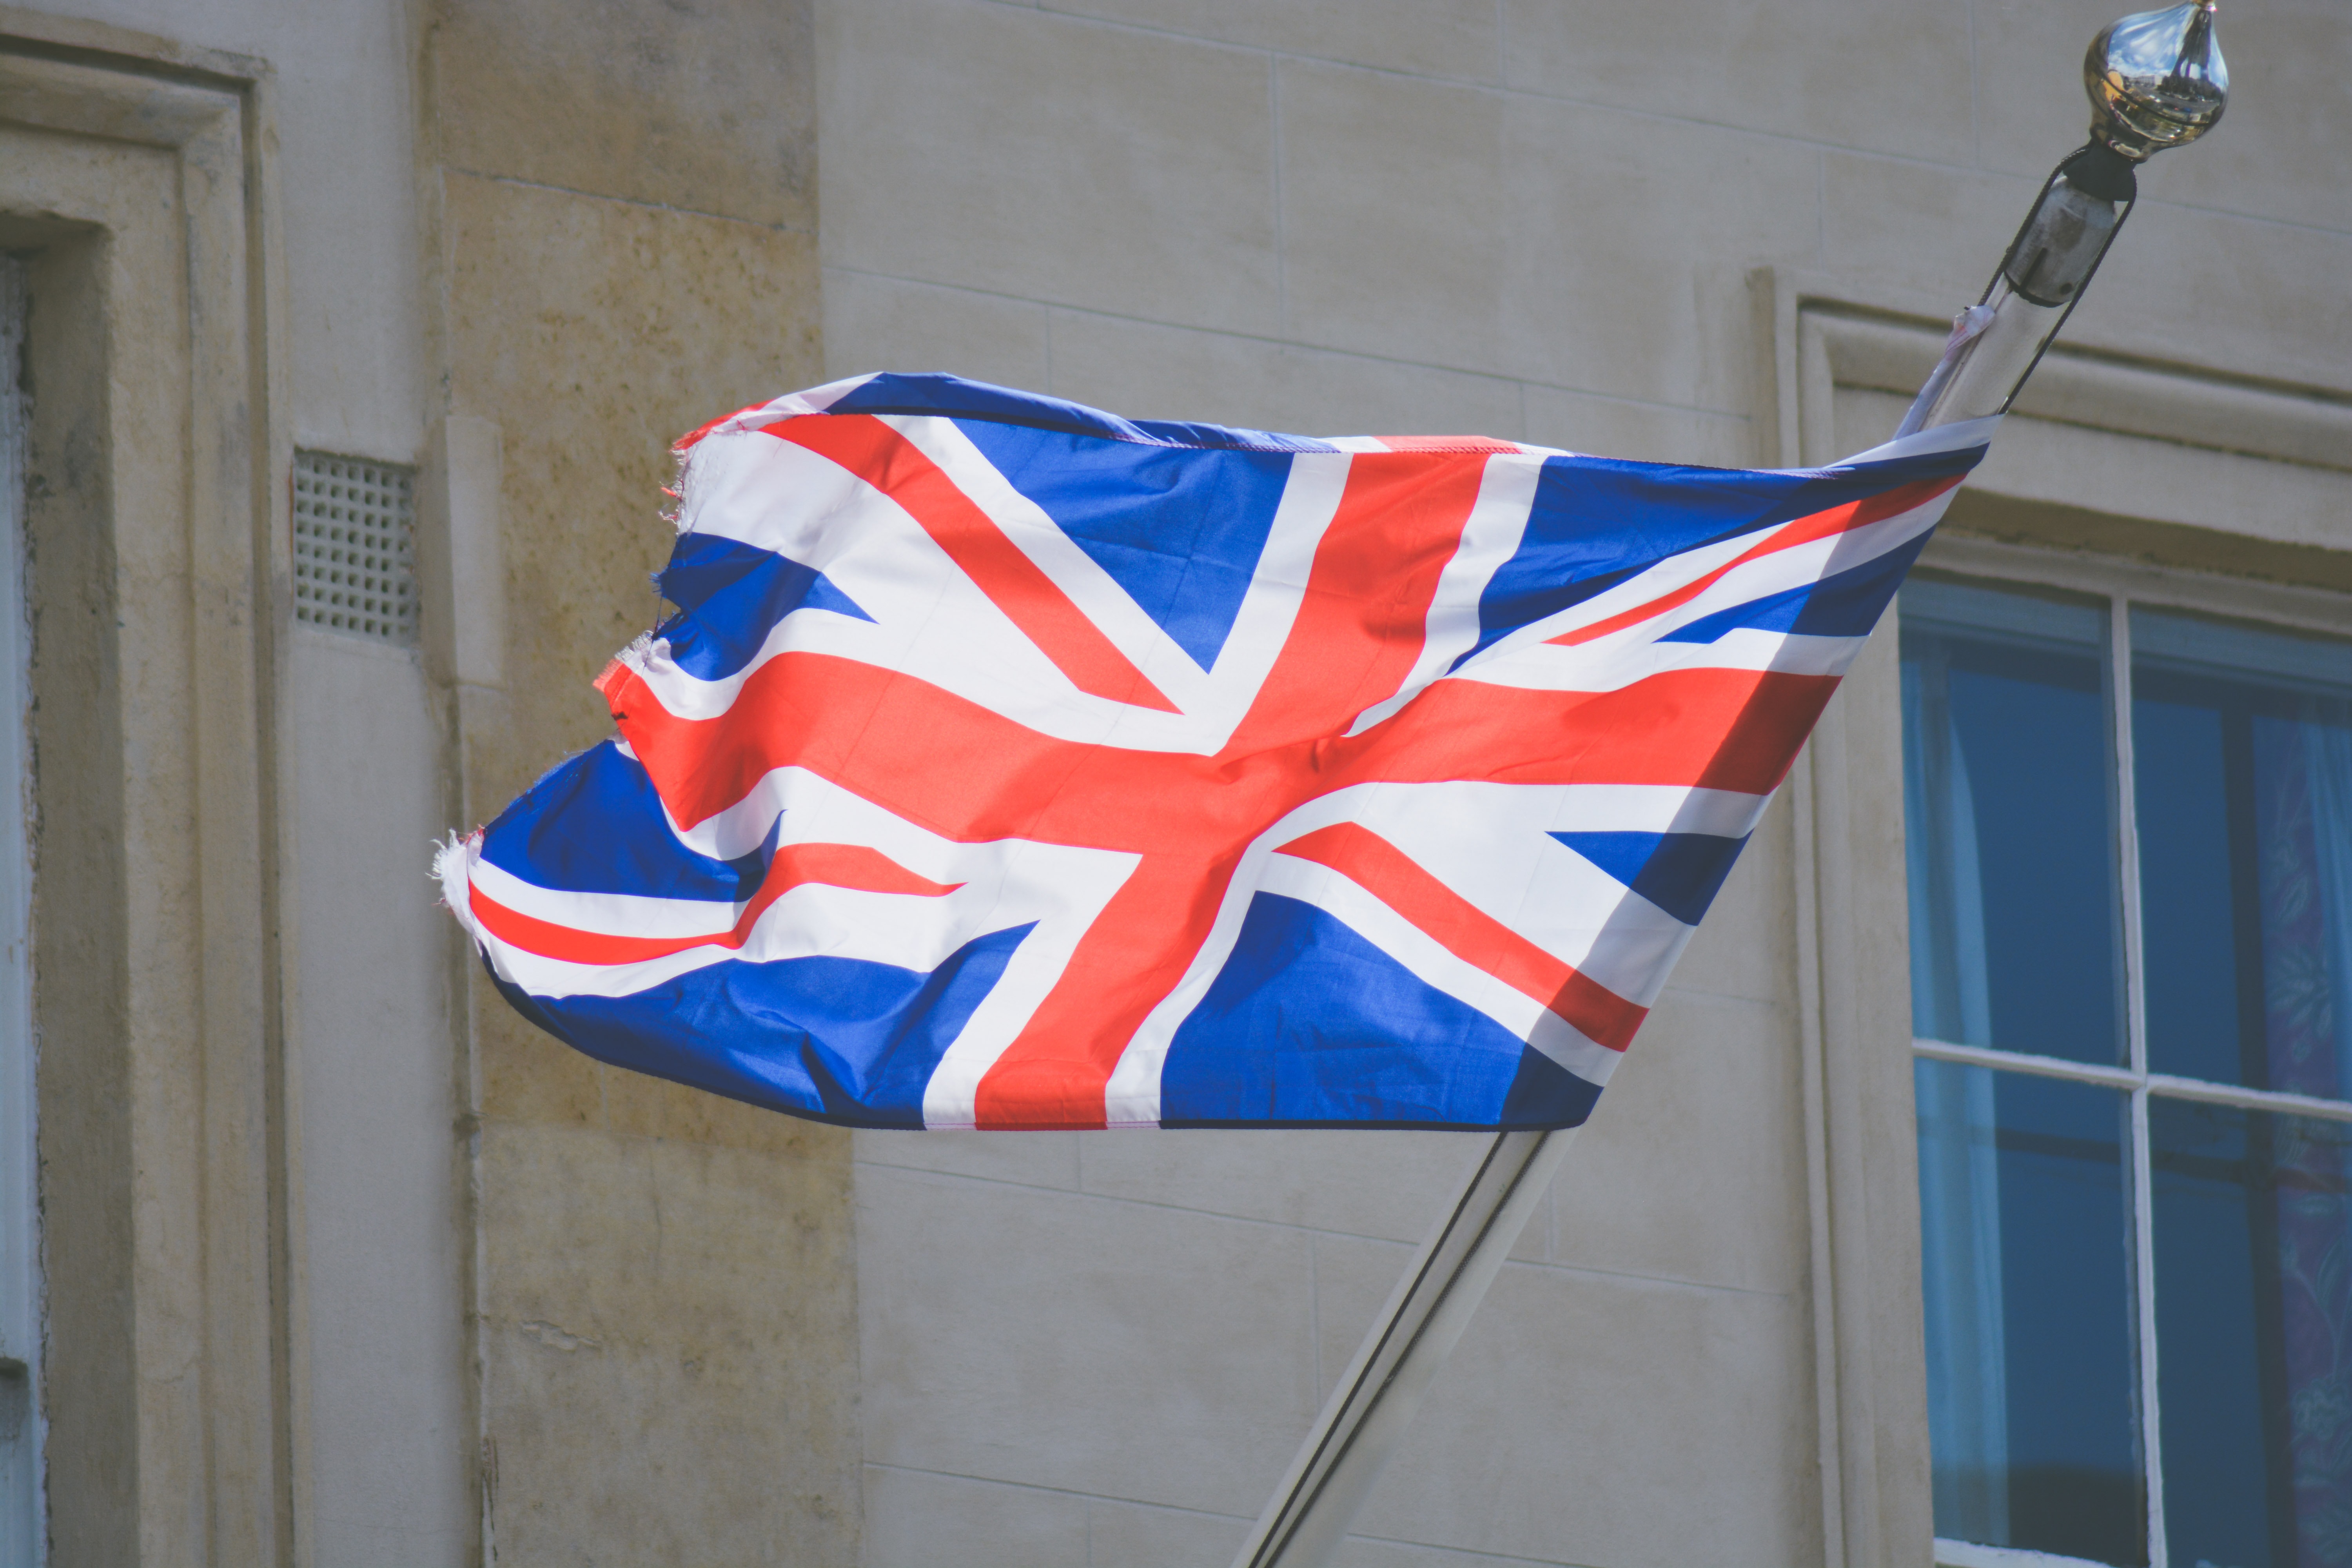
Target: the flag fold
(1010, 764)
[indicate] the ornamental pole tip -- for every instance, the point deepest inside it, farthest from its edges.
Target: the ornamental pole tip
(2157, 79)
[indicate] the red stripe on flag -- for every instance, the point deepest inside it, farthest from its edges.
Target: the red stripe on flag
(852, 865)
(1366, 608)
(1709, 729)
(1801, 530)
(1056, 1070)
(881, 735)
(1445, 444)
(1469, 933)
(890, 462)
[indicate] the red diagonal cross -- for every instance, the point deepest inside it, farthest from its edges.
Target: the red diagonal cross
(973, 775)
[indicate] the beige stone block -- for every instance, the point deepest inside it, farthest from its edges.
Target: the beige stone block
(1424, 38)
(874, 323)
(1129, 1534)
(1642, 432)
(527, 1074)
(668, 1340)
(1396, 214)
(1357, 1552)
(1589, 1419)
(1746, 946)
(1047, 1338)
(917, 1520)
(2279, 153)
(1338, 1336)
(2238, 294)
(1935, 233)
(2150, 481)
(1891, 77)
(1865, 417)
(1692, 1167)
(1353, 1276)
(357, 355)
(636, 1105)
(1631, 242)
(1151, 371)
(594, 332)
(1579, 248)
(1050, 158)
(1382, 1183)
(1024, 1159)
(377, 1248)
(709, 107)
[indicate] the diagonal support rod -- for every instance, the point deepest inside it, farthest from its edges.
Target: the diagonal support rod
(1382, 1387)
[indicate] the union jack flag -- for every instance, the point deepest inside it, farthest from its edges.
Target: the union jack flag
(1011, 764)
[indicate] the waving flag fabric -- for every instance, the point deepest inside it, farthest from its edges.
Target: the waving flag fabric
(1011, 764)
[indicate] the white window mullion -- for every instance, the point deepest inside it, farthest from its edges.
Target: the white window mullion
(2135, 1035)
(2144, 1277)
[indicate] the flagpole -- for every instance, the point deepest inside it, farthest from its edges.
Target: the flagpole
(1382, 1387)
(2155, 80)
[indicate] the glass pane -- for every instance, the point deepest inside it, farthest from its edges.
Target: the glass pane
(2025, 1228)
(2010, 822)
(2243, 751)
(2253, 1319)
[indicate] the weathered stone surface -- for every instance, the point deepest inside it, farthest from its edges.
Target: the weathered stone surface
(1181, 372)
(389, 1443)
(662, 1336)
(1423, 37)
(669, 1332)
(1892, 77)
(594, 332)
(1082, 1343)
(1592, 1457)
(704, 105)
(1001, 150)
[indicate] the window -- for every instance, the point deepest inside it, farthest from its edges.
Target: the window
(2130, 871)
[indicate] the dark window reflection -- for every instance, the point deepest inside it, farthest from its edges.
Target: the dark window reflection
(2008, 785)
(2253, 1269)
(2244, 802)
(2025, 1223)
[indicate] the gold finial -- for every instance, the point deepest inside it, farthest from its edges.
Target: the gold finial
(2157, 79)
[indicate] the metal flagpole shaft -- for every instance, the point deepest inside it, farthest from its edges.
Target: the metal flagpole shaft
(2156, 81)
(1376, 1397)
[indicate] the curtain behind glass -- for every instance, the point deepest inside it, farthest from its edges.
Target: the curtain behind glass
(2302, 769)
(2009, 847)
(2012, 829)
(1959, 1169)
(2246, 844)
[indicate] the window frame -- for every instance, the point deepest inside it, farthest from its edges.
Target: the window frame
(2124, 443)
(138, 190)
(2121, 586)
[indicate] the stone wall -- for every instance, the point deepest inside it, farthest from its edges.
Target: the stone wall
(348, 1265)
(625, 247)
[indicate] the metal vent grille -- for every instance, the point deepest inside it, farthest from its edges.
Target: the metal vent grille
(354, 546)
